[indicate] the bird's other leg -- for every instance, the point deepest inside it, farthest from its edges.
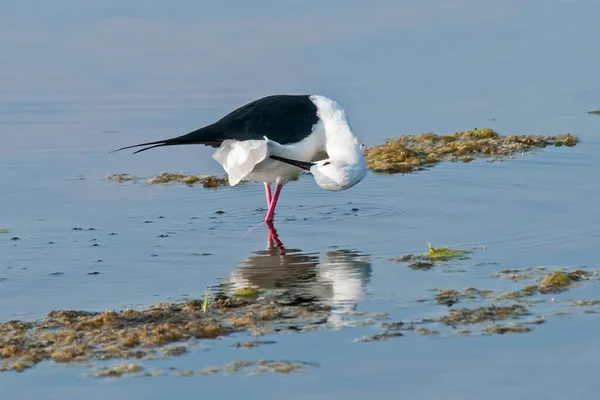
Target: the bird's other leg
(273, 202)
(268, 193)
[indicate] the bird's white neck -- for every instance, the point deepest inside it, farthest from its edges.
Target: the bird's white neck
(341, 143)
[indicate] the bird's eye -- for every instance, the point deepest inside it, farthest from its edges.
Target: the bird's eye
(326, 163)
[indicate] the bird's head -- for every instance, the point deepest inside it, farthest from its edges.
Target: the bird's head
(333, 174)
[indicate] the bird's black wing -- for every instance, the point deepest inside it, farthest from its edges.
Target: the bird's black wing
(282, 118)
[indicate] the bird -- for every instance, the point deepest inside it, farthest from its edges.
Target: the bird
(276, 138)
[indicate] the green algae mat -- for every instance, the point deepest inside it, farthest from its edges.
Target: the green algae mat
(408, 153)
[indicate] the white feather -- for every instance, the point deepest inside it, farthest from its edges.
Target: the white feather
(240, 158)
(340, 143)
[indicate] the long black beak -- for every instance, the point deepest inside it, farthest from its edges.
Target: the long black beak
(300, 164)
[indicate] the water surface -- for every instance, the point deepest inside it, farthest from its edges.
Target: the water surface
(82, 79)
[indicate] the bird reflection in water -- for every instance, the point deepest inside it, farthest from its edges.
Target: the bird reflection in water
(336, 278)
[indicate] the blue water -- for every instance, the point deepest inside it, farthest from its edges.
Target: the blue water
(81, 79)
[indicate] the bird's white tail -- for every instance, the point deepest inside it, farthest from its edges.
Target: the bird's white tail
(239, 158)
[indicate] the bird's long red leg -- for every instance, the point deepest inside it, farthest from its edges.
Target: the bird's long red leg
(268, 193)
(273, 202)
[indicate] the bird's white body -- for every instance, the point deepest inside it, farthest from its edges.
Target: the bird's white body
(249, 160)
(331, 141)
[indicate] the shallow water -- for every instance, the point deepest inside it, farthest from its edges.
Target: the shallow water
(117, 74)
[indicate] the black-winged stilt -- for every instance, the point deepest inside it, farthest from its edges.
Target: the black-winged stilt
(278, 137)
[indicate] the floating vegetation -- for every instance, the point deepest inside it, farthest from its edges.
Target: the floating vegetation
(425, 331)
(379, 337)
(531, 289)
(258, 367)
(246, 292)
(397, 326)
(444, 253)
(207, 181)
(517, 274)
(408, 153)
(80, 336)
(119, 370)
(595, 112)
(252, 344)
(249, 367)
(122, 177)
(559, 281)
(421, 265)
(3, 230)
(449, 297)
(499, 329)
(583, 303)
(552, 282)
(556, 281)
(171, 351)
(469, 316)
(426, 261)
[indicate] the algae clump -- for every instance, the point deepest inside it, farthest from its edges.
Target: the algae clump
(444, 253)
(559, 281)
(124, 177)
(469, 316)
(246, 292)
(165, 329)
(447, 297)
(408, 153)
(504, 329)
(432, 256)
(119, 370)
(207, 181)
(425, 331)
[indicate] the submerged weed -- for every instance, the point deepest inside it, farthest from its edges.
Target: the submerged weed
(119, 370)
(248, 292)
(559, 281)
(207, 181)
(500, 329)
(124, 177)
(469, 316)
(445, 253)
(258, 367)
(378, 337)
(434, 255)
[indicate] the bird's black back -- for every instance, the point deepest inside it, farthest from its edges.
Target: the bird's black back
(282, 118)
